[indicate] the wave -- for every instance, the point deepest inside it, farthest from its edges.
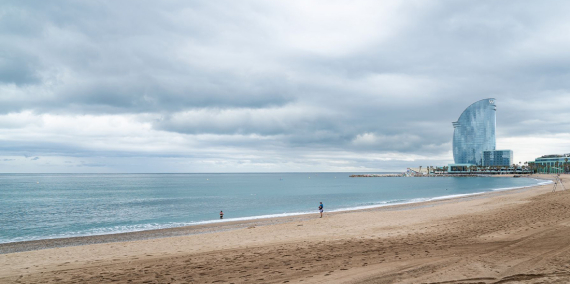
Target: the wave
(156, 226)
(540, 182)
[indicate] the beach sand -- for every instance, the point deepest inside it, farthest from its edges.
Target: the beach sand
(516, 236)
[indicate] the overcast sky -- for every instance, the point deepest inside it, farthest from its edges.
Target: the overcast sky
(274, 86)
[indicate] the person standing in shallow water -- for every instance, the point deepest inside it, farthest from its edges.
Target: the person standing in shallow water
(321, 207)
(221, 214)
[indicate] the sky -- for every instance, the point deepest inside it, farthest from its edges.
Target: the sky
(274, 86)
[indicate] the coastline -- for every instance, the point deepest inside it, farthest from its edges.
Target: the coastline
(501, 236)
(228, 225)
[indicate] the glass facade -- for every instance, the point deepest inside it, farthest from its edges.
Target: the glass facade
(553, 160)
(474, 132)
(497, 158)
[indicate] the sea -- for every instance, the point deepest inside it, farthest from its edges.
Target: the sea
(47, 206)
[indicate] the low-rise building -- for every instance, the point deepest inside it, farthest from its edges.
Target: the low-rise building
(557, 163)
(459, 168)
(551, 160)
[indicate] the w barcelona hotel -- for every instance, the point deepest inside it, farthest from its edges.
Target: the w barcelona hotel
(474, 142)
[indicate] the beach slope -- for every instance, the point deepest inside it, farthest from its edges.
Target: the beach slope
(516, 236)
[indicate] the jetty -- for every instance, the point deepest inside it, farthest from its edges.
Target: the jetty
(377, 175)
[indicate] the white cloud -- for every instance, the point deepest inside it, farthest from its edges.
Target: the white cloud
(274, 86)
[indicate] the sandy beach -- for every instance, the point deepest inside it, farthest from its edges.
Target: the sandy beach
(515, 236)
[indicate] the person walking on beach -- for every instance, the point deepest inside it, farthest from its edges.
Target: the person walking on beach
(221, 214)
(321, 207)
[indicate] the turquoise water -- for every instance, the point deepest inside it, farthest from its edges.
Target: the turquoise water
(42, 206)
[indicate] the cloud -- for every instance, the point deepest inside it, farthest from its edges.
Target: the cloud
(35, 158)
(264, 121)
(255, 85)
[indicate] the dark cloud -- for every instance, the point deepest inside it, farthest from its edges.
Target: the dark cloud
(18, 70)
(381, 77)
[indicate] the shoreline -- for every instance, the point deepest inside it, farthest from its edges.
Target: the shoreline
(509, 236)
(229, 225)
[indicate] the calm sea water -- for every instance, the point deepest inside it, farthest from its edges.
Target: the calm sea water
(42, 206)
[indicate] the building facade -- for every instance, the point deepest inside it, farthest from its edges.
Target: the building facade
(474, 132)
(497, 158)
(552, 160)
(559, 163)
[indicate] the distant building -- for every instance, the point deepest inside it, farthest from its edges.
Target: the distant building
(497, 158)
(474, 132)
(551, 164)
(550, 160)
(459, 168)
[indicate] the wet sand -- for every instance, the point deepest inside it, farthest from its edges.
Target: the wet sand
(517, 236)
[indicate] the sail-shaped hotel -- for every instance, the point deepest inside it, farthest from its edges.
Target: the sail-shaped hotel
(474, 140)
(475, 132)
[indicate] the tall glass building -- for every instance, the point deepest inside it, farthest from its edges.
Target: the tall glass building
(475, 132)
